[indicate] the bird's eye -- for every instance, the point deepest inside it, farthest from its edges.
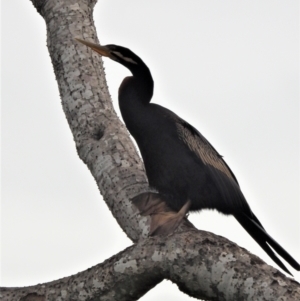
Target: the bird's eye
(119, 55)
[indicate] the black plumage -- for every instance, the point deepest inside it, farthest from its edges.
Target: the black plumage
(180, 163)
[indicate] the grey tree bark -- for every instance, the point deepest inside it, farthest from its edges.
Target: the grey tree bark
(202, 264)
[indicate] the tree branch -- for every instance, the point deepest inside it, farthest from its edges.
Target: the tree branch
(202, 264)
(101, 139)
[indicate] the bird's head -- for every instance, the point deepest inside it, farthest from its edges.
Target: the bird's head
(124, 56)
(117, 53)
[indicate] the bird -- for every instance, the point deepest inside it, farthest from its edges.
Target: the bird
(179, 161)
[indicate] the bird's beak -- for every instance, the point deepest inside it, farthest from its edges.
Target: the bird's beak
(96, 47)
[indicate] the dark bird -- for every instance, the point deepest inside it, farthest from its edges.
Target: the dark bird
(180, 163)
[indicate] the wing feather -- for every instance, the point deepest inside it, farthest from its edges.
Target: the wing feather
(225, 180)
(202, 148)
(217, 170)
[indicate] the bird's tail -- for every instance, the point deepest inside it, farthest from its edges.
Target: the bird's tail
(253, 226)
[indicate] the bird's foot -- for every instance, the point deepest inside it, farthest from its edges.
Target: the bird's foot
(164, 221)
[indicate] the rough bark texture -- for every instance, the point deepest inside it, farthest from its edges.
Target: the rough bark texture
(102, 141)
(203, 265)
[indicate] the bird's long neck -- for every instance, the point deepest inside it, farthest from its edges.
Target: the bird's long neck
(138, 88)
(141, 83)
(135, 93)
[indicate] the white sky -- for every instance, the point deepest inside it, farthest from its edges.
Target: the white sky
(230, 68)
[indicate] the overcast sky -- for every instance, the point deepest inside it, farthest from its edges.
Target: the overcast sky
(230, 68)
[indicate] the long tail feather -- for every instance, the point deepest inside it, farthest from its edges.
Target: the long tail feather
(253, 226)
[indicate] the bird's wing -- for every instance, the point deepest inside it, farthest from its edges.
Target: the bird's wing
(220, 173)
(195, 142)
